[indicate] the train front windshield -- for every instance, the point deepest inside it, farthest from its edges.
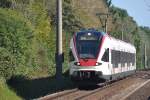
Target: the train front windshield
(87, 44)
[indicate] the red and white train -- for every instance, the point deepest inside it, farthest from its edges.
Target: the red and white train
(96, 55)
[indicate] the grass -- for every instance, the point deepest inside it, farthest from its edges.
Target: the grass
(6, 93)
(34, 85)
(29, 89)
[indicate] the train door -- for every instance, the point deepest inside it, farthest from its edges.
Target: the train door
(110, 62)
(106, 62)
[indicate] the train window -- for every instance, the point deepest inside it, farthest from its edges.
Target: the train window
(71, 57)
(128, 59)
(121, 57)
(133, 59)
(124, 57)
(105, 57)
(118, 57)
(112, 57)
(115, 58)
(87, 44)
(113, 61)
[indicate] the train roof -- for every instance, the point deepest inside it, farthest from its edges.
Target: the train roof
(90, 31)
(121, 45)
(114, 43)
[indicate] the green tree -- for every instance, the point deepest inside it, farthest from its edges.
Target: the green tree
(15, 38)
(6, 63)
(70, 22)
(5, 3)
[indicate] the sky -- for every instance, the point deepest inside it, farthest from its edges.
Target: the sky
(138, 9)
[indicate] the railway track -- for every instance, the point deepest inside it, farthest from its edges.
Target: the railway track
(103, 91)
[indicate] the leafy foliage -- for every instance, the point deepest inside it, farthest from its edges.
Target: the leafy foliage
(108, 3)
(70, 22)
(5, 3)
(43, 43)
(38, 16)
(15, 38)
(6, 63)
(6, 93)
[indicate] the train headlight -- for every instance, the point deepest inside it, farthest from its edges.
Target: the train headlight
(97, 64)
(77, 63)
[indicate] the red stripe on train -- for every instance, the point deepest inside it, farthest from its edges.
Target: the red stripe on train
(87, 62)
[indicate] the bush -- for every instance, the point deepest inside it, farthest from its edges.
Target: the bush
(15, 39)
(6, 63)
